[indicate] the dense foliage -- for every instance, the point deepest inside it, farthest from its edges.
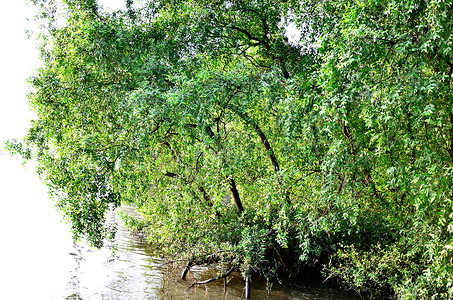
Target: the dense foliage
(331, 150)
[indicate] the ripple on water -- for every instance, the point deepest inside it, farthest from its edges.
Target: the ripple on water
(120, 270)
(126, 269)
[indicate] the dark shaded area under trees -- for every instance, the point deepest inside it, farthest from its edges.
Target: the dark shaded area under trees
(333, 151)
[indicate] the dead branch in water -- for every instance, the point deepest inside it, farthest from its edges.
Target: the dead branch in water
(212, 279)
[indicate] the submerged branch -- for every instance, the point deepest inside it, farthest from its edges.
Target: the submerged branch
(213, 279)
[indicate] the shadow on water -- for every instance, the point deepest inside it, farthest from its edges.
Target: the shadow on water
(289, 289)
(127, 269)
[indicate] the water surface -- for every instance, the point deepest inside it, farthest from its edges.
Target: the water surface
(40, 260)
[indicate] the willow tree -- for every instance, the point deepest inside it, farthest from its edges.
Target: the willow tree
(175, 107)
(332, 151)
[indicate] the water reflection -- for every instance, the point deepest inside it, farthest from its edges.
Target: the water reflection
(128, 268)
(122, 269)
(40, 261)
(290, 289)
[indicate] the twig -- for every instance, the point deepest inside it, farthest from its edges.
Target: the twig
(279, 256)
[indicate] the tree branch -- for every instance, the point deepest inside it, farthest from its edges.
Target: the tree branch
(212, 279)
(451, 138)
(251, 37)
(236, 197)
(248, 120)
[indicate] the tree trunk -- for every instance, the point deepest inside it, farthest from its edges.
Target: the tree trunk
(237, 199)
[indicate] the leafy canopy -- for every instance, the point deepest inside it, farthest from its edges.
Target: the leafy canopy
(236, 144)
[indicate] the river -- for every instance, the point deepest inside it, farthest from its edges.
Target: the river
(40, 260)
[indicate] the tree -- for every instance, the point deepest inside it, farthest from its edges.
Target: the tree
(239, 146)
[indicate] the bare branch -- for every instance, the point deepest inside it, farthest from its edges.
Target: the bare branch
(212, 279)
